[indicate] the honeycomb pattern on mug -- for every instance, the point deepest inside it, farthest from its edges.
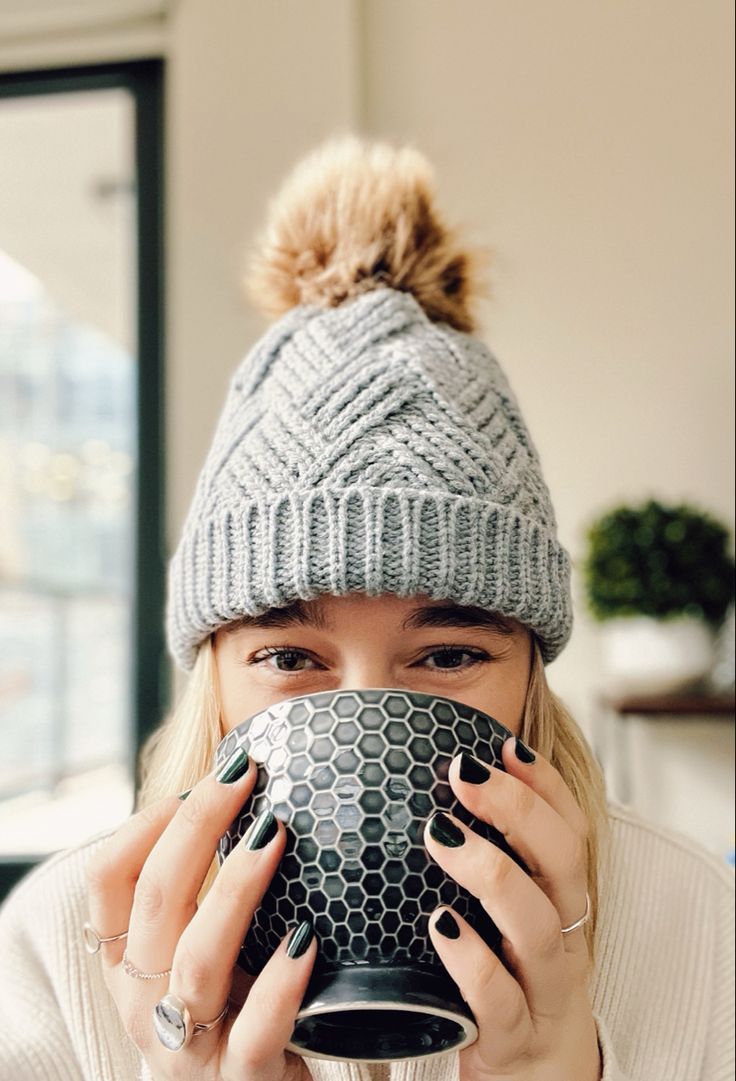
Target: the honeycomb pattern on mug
(355, 780)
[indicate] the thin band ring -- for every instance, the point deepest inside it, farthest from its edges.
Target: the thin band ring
(93, 940)
(130, 970)
(583, 919)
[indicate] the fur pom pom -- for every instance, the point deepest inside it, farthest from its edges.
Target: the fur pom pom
(356, 215)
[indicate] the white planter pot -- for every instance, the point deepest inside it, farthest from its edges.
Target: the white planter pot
(649, 656)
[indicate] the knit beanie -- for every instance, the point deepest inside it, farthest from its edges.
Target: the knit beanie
(369, 442)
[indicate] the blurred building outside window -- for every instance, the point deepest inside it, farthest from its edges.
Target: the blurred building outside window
(68, 416)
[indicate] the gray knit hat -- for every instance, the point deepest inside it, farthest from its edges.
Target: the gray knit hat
(367, 443)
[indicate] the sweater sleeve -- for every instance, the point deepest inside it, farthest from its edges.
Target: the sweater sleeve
(58, 1021)
(610, 1069)
(720, 1055)
(34, 1040)
(664, 982)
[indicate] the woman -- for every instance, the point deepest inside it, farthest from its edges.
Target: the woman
(372, 513)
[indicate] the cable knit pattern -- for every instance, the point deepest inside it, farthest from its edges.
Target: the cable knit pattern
(366, 448)
(662, 993)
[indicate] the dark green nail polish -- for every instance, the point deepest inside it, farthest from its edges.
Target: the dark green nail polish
(523, 753)
(300, 939)
(447, 925)
(472, 771)
(444, 830)
(260, 832)
(185, 794)
(234, 768)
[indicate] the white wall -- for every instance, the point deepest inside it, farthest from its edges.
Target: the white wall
(251, 85)
(589, 145)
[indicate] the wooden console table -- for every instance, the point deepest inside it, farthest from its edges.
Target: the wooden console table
(611, 742)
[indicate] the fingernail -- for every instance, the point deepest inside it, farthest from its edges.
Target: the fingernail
(472, 771)
(260, 832)
(185, 794)
(300, 939)
(444, 830)
(523, 753)
(447, 925)
(234, 768)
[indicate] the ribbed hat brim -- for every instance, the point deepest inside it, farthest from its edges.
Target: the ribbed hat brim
(267, 552)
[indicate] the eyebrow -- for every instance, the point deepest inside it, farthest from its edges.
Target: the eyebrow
(457, 615)
(435, 615)
(295, 613)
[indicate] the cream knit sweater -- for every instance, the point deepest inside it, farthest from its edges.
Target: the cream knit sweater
(662, 993)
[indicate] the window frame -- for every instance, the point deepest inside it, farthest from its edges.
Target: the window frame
(150, 674)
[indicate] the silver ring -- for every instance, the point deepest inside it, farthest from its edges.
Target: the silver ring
(93, 940)
(130, 970)
(173, 1023)
(583, 919)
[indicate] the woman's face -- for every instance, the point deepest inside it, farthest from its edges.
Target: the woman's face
(357, 641)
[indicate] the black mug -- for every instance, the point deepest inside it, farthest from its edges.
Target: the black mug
(354, 775)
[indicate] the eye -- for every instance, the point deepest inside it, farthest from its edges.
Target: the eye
(449, 658)
(285, 659)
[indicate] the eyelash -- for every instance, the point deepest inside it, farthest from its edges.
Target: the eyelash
(477, 657)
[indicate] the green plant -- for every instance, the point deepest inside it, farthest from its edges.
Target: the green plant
(658, 561)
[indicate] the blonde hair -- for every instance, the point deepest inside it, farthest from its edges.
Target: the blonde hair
(181, 751)
(550, 729)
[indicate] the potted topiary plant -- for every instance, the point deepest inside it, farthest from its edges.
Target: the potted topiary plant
(659, 580)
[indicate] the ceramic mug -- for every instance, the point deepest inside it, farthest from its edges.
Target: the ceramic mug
(355, 775)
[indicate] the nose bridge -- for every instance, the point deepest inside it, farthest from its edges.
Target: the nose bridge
(363, 671)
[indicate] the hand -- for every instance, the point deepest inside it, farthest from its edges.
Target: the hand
(533, 1013)
(146, 878)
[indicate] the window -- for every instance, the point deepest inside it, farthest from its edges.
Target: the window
(82, 664)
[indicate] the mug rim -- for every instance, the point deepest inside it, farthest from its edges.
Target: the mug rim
(360, 690)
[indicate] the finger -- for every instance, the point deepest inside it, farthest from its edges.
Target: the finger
(165, 896)
(552, 849)
(263, 1028)
(208, 949)
(526, 918)
(113, 871)
(546, 781)
(496, 999)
